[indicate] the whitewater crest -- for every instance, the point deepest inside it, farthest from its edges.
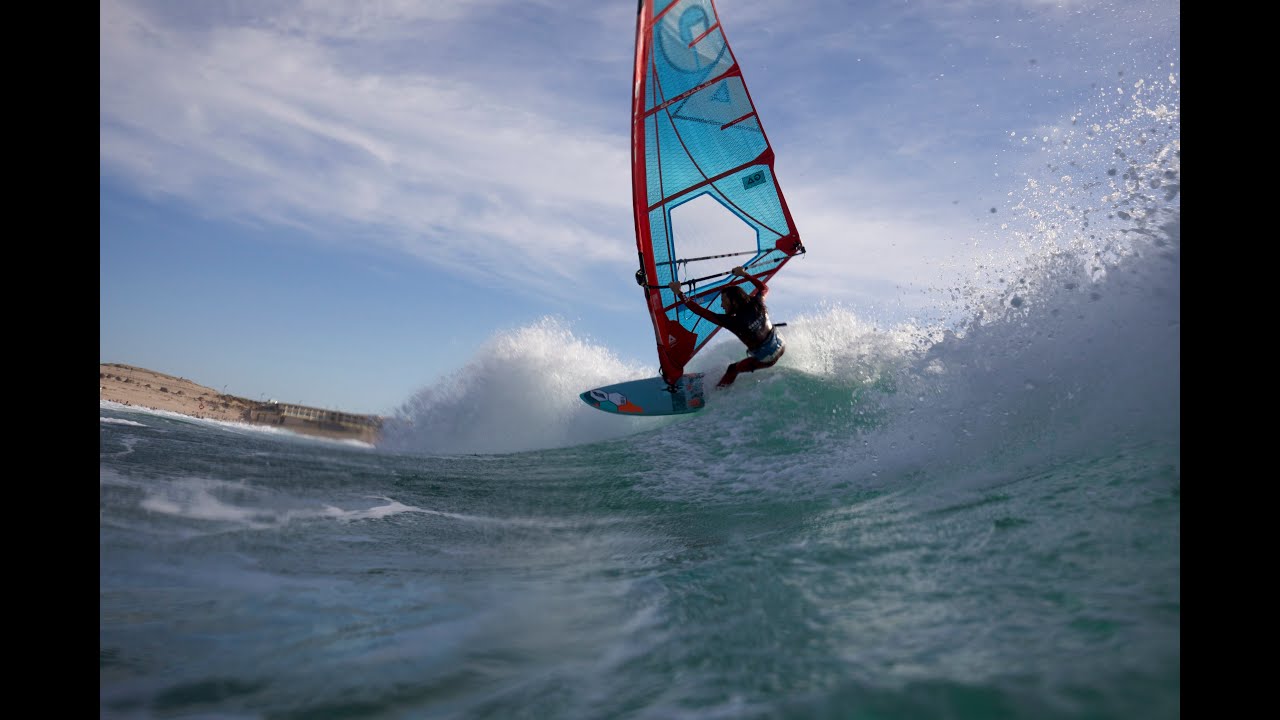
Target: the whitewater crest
(518, 393)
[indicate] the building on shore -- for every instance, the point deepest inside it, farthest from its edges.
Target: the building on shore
(316, 421)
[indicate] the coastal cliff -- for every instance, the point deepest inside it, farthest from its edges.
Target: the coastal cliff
(135, 386)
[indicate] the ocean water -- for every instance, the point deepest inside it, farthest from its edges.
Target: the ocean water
(970, 518)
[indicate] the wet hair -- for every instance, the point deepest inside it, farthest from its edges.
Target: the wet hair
(733, 299)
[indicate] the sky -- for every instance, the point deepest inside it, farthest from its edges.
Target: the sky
(337, 204)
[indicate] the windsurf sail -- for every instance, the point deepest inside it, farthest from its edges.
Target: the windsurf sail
(704, 191)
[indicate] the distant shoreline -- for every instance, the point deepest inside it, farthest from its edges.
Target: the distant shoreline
(135, 386)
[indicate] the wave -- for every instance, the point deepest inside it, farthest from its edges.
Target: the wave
(1074, 342)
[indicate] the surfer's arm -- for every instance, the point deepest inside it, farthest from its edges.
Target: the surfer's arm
(693, 306)
(760, 287)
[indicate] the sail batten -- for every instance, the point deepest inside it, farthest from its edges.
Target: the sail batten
(686, 190)
(658, 107)
(705, 194)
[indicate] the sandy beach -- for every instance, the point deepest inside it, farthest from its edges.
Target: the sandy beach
(129, 385)
(140, 387)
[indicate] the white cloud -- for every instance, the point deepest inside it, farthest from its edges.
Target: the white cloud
(402, 125)
(266, 123)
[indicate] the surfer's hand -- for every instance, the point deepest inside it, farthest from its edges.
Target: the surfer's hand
(675, 287)
(740, 271)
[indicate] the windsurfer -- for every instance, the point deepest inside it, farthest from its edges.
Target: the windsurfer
(746, 317)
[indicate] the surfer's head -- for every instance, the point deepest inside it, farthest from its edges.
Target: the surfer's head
(733, 299)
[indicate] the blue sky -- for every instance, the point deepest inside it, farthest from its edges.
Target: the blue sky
(338, 203)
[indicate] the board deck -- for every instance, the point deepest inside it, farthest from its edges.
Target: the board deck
(649, 396)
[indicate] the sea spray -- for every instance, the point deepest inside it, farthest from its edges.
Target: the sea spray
(519, 392)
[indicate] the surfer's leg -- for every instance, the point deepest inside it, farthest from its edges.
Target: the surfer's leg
(729, 376)
(747, 365)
